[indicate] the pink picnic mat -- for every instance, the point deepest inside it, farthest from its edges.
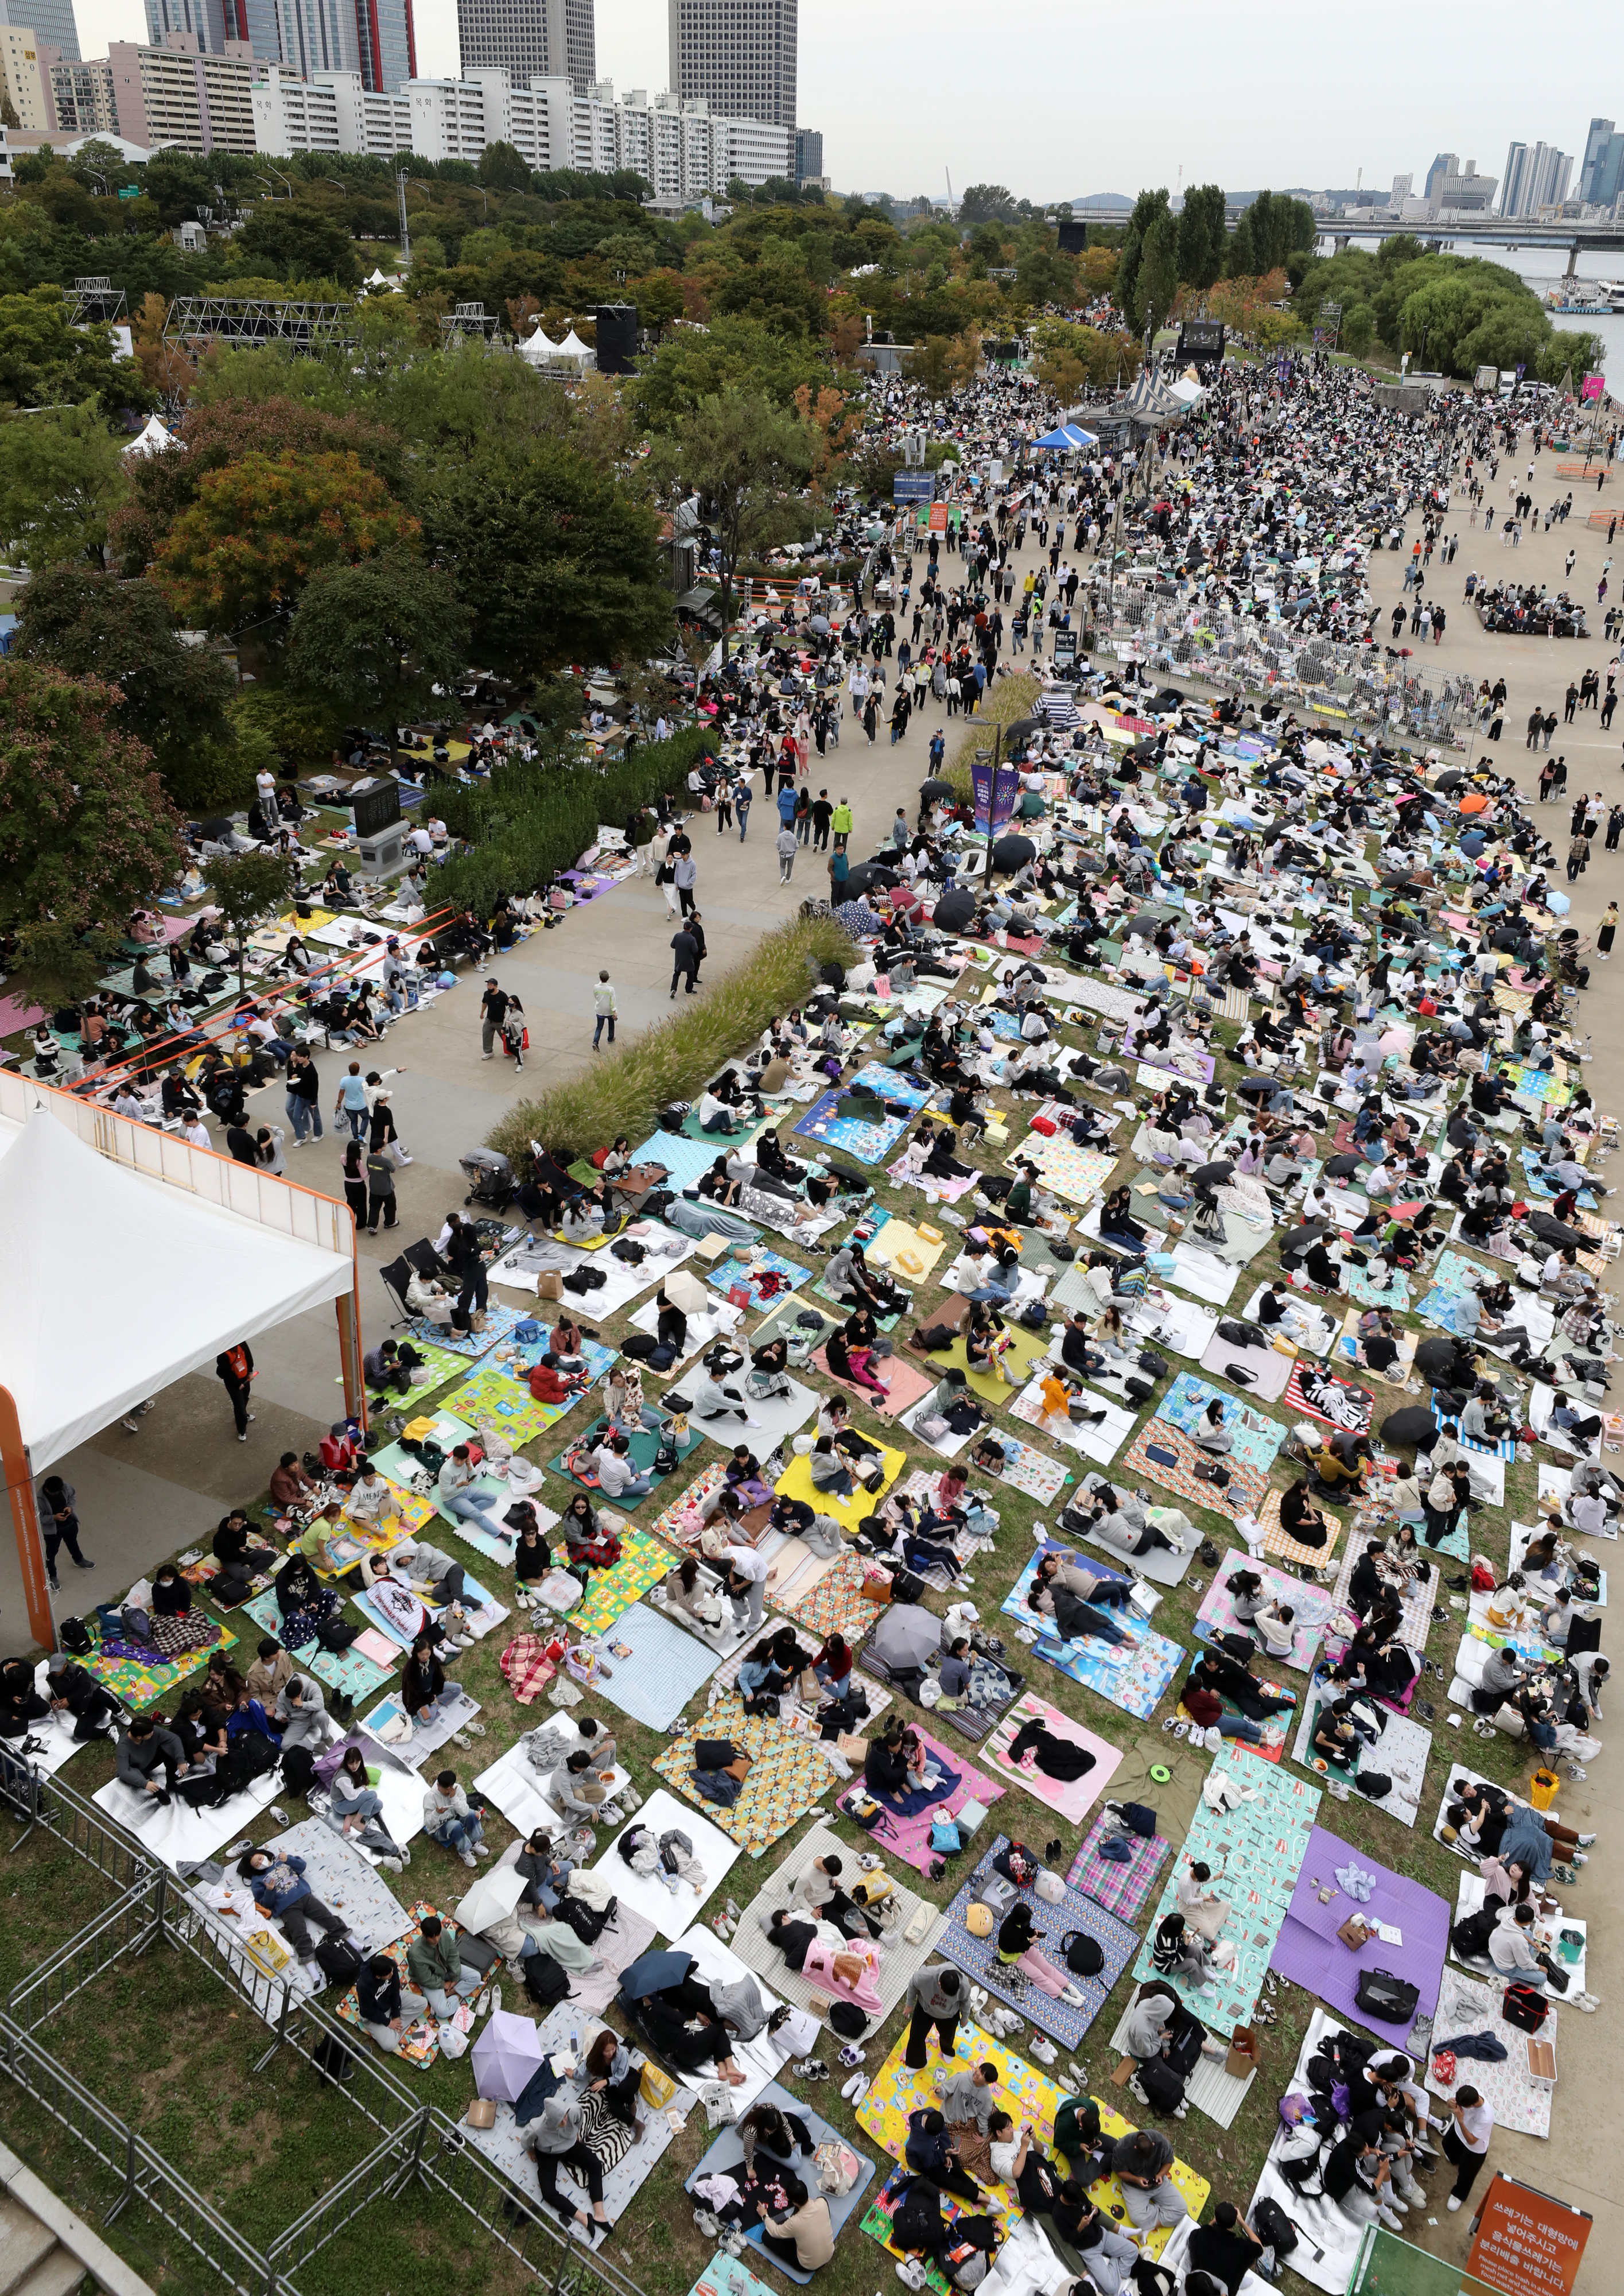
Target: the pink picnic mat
(1071, 1798)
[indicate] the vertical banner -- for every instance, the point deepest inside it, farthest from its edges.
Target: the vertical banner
(1006, 794)
(1593, 386)
(996, 795)
(981, 788)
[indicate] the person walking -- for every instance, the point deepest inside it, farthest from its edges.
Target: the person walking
(493, 1012)
(685, 961)
(351, 1105)
(741, 805)
(724, 807)
(302, 1096)
(686, 877)
(605, 1008)
(803, 814)
(234, 1369)
(841, 823)
(822, 814)
(787, 853)
(1536, 724)
(1609, 924)
(380, 1191)
(1578, 853)
(59, 1524)
(354, 1177)
(1465, 2142)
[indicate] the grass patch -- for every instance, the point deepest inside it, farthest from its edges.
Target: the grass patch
(1011, 698)
(623, 1093)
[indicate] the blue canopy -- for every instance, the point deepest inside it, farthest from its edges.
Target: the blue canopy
(1067, 437)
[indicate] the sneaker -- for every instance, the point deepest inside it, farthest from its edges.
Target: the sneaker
(495, 2000)
(848, 2089)
(390, 1864)
(1451, 2204)
(475, 1729)
(277, 1816)
(133, 1424)
(1587, 1841)
(1043, 2050)
(706, 2223)
(480, 1849)
(851, 2055)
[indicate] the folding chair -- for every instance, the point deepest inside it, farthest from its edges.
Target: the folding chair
(395, 1278)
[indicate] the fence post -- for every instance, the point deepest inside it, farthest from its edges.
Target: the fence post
(261, 2061)
(160, 1906)
(129, 2193)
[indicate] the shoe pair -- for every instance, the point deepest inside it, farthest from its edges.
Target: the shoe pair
(855, 2089)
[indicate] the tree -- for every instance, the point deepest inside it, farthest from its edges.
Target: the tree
(1202, 236)
(927, 365)
(503, 168)
(260, 529)
(245, 887)
(62, 475)
(298, 242)
(748, 460)
(553, 560)
(1156, 286)
(1147, 208)
(173, 698)
(44, 362)
(1357, 328)
(86, 829)
(987, 203)
(1072, 360)
(832, 431)
(733, 354)
(376, 638)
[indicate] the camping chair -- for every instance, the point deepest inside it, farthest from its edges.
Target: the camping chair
(395, 1278)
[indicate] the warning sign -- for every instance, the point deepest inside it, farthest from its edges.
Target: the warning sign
(1527, 2243)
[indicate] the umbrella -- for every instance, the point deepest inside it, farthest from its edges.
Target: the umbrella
(955, 909)
(1093, 862)
(934, 787)
(506, 2054)
(1412, 1424)
(1451, 780)
(1213, 1176)
(906, 1635)
(866, 876)
(1012, 853)
(653, 1972)
(1476, 803)
(491, 1899)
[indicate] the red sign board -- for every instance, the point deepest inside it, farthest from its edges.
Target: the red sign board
(1527, 2243)
(938, 518)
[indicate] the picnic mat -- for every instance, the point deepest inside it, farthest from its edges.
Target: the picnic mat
(900, 1960)
(1026, 2094)
(870, 1143)
(789, 1775)
(1099, 1439)
(1069, 1797)
(834, 1603)
(1066, 2021)
(1276, 1540)
(1468, 2004)
(678, 1521)
(1023, 1352)
(498, 1323)
(1313, 1606)
(347, 1881)
(1242, 1495)
(1309, 1952)
(1122, 1887)
(900, 1237)
(1076, 1173)
(1416, 1618)
(494, 1395)
(652, 1668)
(735, 1276)
(440, 1363)
(421, 2044)
(1257, 1441)
(350, 1670)
(905, 1386)
(566, 2030)
(726, 2154)
(1269, 1370)
(1336, 1402)
(1399, 1753)
(1255, 1851)
(391, 1713)
(796, 1482)
(906, 1835)
(643, 1563)
(643, 1447)
(1360, 1284)
(1027, 1469)
(1206, 2086)
(138, 1682)
(1134, 1678)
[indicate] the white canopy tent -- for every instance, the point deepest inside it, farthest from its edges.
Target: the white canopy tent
(117, 1285)
(154, 441)
(537, 350)
(573, 347)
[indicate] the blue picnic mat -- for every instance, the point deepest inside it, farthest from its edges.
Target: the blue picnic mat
(1136, 1684)
(1184, 1406)
(658, 1669)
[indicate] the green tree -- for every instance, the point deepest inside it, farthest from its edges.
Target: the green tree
(987, 203)
(503, 168)
(259, 528)
(929, 364)
(553, 559)
(731, 354)
(1358, 328)
(44, 362)
(1147, 209)
(86, 829)
(173, 697)
(245, 887)
(1202, 236)
(1279, 224)
(376, 638)
(748, 462)
(1156, 285)
(296, 240)
(62, 474)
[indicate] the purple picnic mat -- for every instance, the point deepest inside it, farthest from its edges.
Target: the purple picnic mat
(1124, 1890)
(1309, 1951)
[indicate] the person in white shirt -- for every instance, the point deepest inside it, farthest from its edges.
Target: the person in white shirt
(197, 1133)
(371, 1498)
(1466, 2144)
(746, 1587)
(1511, 1947)
(617, 1478)
(1275, 1626)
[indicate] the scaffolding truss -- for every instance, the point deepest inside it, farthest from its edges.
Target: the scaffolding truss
(195, 322)
(93, 297)
(470, 322)
(415, 2146)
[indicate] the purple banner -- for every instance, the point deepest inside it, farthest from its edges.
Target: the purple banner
(995, 794)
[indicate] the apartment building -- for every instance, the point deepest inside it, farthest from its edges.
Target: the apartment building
(737, 56)
(331, 111)
(176, 94)
(79, 96)
(25, 84)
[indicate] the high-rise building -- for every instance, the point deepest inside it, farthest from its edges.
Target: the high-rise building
(314, 36)
(1446, 164)
(81, 97)
(184, 96)
(202, 20)
(1601, 171)
(389, 44)
(50, 20)
(1537, 175)
(332, 113)
(22, 70)
(530, 39)
(809, 155)
(738, 56)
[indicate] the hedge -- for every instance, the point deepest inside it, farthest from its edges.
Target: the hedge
(1011, 698)
(534, 820)
(626, 1092)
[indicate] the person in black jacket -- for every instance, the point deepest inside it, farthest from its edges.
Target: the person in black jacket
(72, 1690)
(234, 1369)
(238, 1558)
(885, 1769)
(930, 2153)
(1228, 2249)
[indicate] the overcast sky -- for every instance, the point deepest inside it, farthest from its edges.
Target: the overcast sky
(1057, 105)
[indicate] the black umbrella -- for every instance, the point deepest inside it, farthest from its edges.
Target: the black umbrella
(213, 828)
(955, 909)
(934, 787)
(1414, 1424)
(1091, 863)
(1213, 1176)
(1451, 780)
(1012, 853)
(866, 876)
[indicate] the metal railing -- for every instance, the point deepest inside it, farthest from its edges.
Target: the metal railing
(417, 2146)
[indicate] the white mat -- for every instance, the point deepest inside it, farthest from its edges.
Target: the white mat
(899, 1962)
(1099, 1442)
(1320, 2220)
(1470, 2005)
(643, 1892)
(1207, 2085)
(1200, 1272)
(516, 1789)
(177, 1834)
(760, 2061)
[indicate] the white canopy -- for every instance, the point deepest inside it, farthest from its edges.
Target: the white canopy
(572, 347)
(537, 348)
(154, 440)
(116, 1284)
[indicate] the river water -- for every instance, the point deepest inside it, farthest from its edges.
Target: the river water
(1543, 268)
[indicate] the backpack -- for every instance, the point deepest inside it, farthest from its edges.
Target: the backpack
(1299, 2170)
(1375, 1785)
(544, 1981)
(1394, 1999)
(74, 1636)
(1470, 1934)
(298, 1769)
(587, 1922)
(1523, 2008)
(1273, 2226)
(1184, 2049)
(256, 1755)
(339, 1962)
(1083, 1954)
(1159, 2086)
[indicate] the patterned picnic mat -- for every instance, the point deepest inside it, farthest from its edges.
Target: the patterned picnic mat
(420, 2045)
(471, 1346)
(1027, 1469)
(1358, 1284)
(1242, 1495)
(1135, 1679)
(1311, 1606)
(348, 1670)
(1076, 1173)
(1290, 1550)
(745, 1276)
(643, 1563)
(440, 1363)
(642, 1450)
(1415, 1618)
(1319, 1393)
(1027, 2097)
(836, 1604)
(493, 1394)
(1067, 2020)
(908, 1837)
(135, 1685)
(1255, 1852)
(678, 1522)
(868, 1143)
(1123, 1888)
(787, 1774)
(1257, 1439)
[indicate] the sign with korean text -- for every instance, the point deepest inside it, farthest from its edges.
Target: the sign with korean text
(1527, 2243)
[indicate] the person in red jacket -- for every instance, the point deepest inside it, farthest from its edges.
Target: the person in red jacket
(549, 1384)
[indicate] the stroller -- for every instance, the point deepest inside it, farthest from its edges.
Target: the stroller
(490, 1178)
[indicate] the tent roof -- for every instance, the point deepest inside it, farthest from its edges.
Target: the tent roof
(572, 347)
(154, 440)
(537, 347)
(1067, 435)
(118, 1284)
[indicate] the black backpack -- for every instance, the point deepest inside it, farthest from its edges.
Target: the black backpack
(339, 1962)
(255, 1755)
(298, 1769)
(1375, 1785)
(1083, 1956)
(544, 1981)
(907, 1587)
(1184, 2049)
(74, 1638)
(587, 1922)
(1394, 1999)
(1470, 1934)
(1273, 2226)
(1302, 2172)
(1162, 2088)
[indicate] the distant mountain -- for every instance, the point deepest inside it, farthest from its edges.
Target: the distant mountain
(1104, 200)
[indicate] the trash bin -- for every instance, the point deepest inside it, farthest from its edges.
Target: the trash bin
(1543, 1788)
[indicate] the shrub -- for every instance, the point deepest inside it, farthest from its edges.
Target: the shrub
(626, 1092)
(1011, 698)
(534, 820)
